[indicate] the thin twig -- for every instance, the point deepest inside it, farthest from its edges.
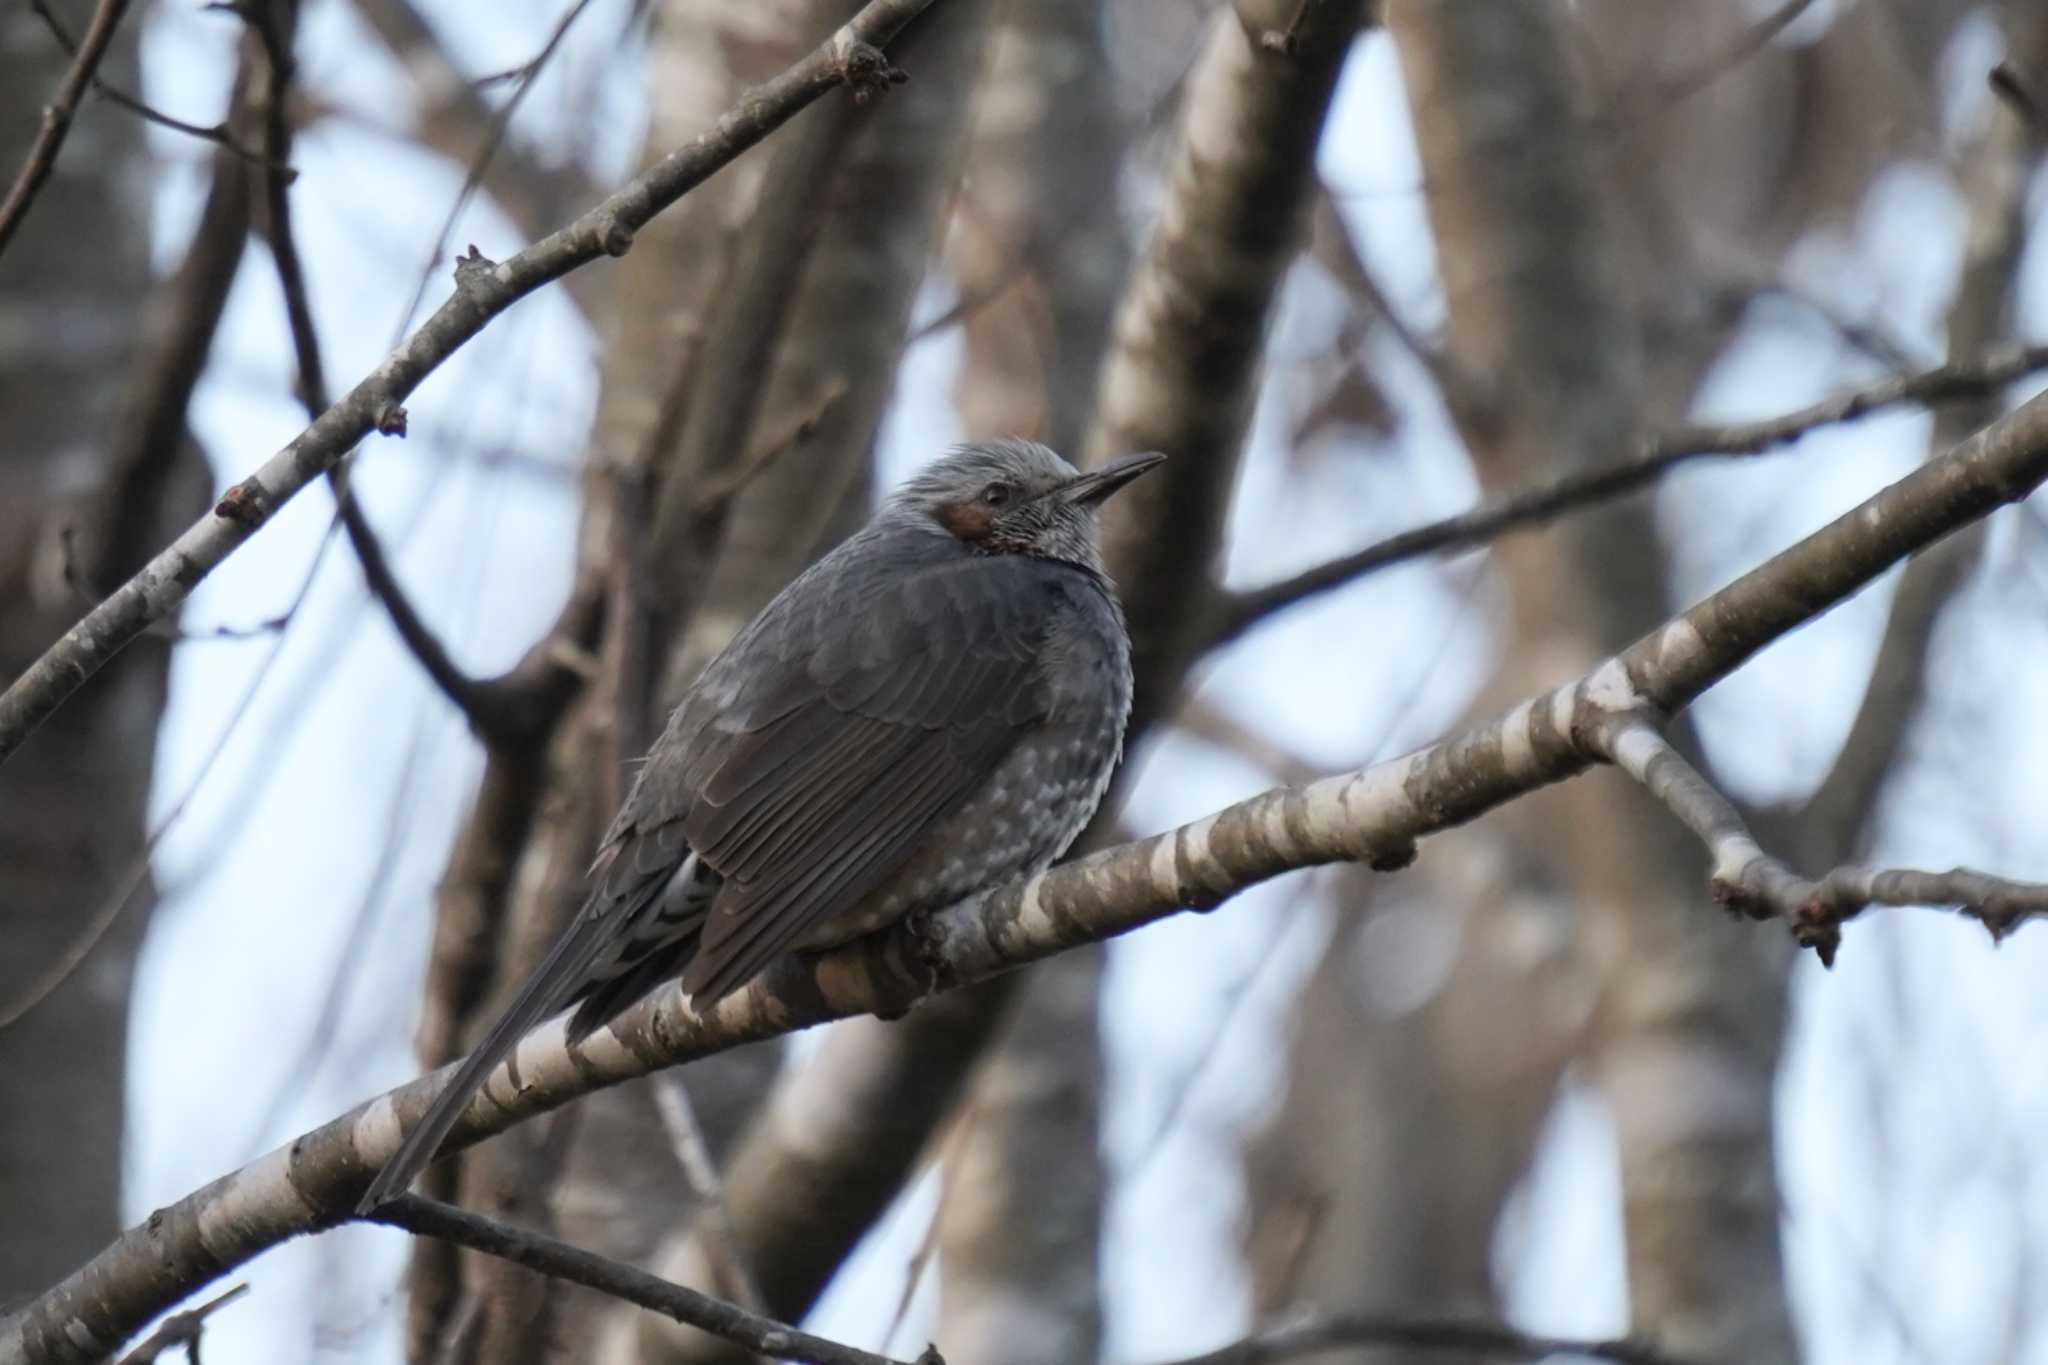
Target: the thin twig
(484, 289)
(57, 114)
(494, 137)
(489, 711)
(181, 1329)
(109, 910)
(1464, 393)
(976, 299)
(1683, 85)
(319, 1040)
(1658, 455)
(1423, 1334)
(729, 1269)
(1752, 882)
(723, 486)
(215, 133)
(554, 1257)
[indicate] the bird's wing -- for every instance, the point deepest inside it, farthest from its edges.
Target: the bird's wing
(863, 720)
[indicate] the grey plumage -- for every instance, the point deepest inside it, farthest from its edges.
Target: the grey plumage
(932, 709)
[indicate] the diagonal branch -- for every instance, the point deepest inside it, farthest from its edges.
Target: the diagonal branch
(1959, 381)
(455, 120)
(483, 290)
(1752, 882)
(1372, 815)
(182, 1330)
(57, 114)
(552, 1256)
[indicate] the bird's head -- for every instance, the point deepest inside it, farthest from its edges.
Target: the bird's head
(1017, 497)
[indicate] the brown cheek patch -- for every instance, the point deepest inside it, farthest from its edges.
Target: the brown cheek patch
(968, 521)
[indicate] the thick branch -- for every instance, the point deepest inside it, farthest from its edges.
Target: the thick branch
(1181, 372)
(1752, 882)
(1373, 815)
(552, 1256)
(42, 154)
(1960, 381)
(484, 289)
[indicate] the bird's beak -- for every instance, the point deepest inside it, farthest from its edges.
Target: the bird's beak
(1090, 489)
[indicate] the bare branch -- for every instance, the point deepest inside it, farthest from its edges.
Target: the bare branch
(1959, 381)
(216, 133)
(492, 141)
(495, 711)
(456, 121)
(836, 1139)
(551, 1256)
(1423, 1334)
(181, 1330)
(730, 1272)
(1180, 373)
(1752, 882)
(42, 154)
(1994, 174)
(1676, 88)
(1373, 815)
(484, 289)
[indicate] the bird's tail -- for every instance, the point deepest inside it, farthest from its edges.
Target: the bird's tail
(553, 983)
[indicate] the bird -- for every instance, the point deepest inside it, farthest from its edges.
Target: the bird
(932, 709)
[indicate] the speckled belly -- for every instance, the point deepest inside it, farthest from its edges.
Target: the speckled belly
(1023, 817)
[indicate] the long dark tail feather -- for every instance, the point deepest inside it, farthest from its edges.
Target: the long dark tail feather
(565, 968)
(609, 999)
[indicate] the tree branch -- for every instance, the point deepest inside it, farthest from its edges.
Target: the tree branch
(456, 121)
(1372, 815)
(484, 289)
(1753, 883)
(1994, 175)
(498, 711)
(182, 1330)
(1181, 371)
(42, 154)
(1422, 1334)
(552, 1256)
(218, 134)
(1237, 612)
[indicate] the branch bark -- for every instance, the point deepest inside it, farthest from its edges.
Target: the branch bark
(483, 290)
(56, 125)
(1182, 371)
(1752, 882)
(1372, 815)
(553, 1257)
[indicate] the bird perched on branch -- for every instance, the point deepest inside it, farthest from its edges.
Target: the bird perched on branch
(930, 710)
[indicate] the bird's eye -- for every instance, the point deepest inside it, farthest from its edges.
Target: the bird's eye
(996, 494)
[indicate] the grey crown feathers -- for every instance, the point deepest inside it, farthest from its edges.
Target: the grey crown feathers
(932, 709)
